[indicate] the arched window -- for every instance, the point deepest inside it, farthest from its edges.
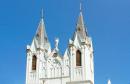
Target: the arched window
(34, 62)
(78, 58)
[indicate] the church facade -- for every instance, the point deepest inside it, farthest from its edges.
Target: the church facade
(47, 66)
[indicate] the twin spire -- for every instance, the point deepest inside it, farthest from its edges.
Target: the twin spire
(41, 39)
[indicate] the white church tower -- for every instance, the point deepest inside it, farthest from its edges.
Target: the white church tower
(81, 54)
(47, 66)
(36, 53)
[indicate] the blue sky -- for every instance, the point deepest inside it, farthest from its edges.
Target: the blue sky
(107, 21)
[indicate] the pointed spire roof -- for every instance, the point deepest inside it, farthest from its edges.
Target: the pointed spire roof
(41, 33)
(80, 27)
(80, 19)
(40, 38)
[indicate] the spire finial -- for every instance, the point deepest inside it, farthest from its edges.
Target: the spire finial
(42, 13)
(80, 5)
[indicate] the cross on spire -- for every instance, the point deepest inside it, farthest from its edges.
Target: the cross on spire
(80, 5)
(42, 13)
